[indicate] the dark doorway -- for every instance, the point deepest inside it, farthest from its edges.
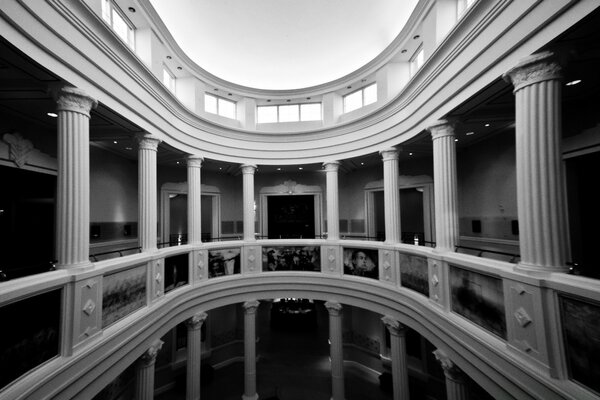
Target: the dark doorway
(411, 215)
(291, 217)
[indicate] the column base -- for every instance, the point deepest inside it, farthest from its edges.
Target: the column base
(252, 397)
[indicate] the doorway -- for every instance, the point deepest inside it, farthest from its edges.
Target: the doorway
(291, 217)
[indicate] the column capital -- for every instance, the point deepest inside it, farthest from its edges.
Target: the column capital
(69, 98)
(149, 356)
(334, 308)
(248, 168)
(441, 128)
(331, 166)
(451, 371)
(533, 69)
(389, 154)
(196, 321)
(251, 306)
(394, 326)
(147, 142)
(194, 160)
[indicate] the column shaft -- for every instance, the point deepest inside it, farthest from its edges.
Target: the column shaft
(333, 207)
(398, 355)
(391, 195)
(248, 177)
(194, 199)
(444, 177)
(147, 201)
(194, 356)
(456, 389)
(73, 184)
(144, 382)
(540, 184)
(336, 350)
(250, 308)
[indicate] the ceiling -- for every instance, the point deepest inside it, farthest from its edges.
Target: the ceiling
(283, 44)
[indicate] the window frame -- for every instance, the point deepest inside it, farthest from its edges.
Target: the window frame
(171, 85)
(362, 97)
(219, 99)
(299, 105)
(413, 62)
(108, 8)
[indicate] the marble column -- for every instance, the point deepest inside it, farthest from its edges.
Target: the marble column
(336, 350)
(540, 182)
(248, 177)
(444, 178)
(73, 185)
(194, 164)
(391, 195)
(144, 371)
(250, 308)
(333, 206)
(398, 356)
(147, 200)
(456, 389)
(194, 355)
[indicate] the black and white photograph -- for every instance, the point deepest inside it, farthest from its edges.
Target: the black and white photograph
(122, 293)
(361, 262)
(307, 258)
(223, 262)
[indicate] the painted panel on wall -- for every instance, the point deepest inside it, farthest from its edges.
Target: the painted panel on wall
(176, 271)
(361, 262)
(581, 331)
(414, 273)
(306, 258)
(122, 293)
(29, 335)
(479, 298)
(223, 262)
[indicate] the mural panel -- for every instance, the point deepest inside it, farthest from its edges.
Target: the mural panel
(361, 262)
(122, 293)
(479, 298)
(176, 271)
(414, 273)
(222, 262)
(307, 258)
(581, 331)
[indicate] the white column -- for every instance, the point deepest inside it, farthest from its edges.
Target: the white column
(333, 206)
(248, 176)
(391, 195)
(144, 381)
(194, 164)
(540, 183)
(336, 350)
(194, 355)
(250, 308)
(445, 192)
(147, 201)
(73, 186)
(456, 389)
(398, 355)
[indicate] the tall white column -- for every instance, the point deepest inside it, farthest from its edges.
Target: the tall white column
(456, 389)
(336, 350)
(250, 308)
(333, 206)
(398, 355)
(391, 195)
(194, 164)
(194, 355)
(147, 201)
(144, 381)
(444, 178)
(73, 186)
(540, 183)
(248, 177)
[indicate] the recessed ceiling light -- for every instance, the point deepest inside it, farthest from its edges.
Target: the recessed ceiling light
(269, 100)
(114, 141)
(220, 168)
(278, 169)
(128, 148)
(575, 82)
(469, 133)
(169, 57)
(179, 68)
(300, 168)
(487, 125)
(288, 100)
(228, 94)
(456, 140)
(403, 51)
(131, 9)
(308, 98)
(416, 37)
(362, 163)
(363, 80)
(216, 90)
(410, 154)
(51, 114)
(349, 87)
(177, 162)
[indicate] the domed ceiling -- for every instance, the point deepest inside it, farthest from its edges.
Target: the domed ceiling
(283, 44)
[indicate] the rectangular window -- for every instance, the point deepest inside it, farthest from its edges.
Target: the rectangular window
(417, 61)
(220, 106)
(360, 98)
(289, 113)
(118, 22)
(168, 79)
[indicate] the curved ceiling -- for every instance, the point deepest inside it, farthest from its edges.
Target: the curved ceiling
(283, 44)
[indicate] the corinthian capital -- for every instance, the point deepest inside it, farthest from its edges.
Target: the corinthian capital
(533, 69)
(147, 142)
(69, 98)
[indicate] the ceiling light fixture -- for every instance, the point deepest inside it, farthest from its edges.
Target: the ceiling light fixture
(128, 148)
(349, 87)
(469, 133)
(179, 68)
(114, 141)
(177, 162)
(288, 100)
(268, 101)
(51, 114)
(456, 140)
(308, 98)
(278, 169)
(300, 168)
(228, 94)
(362, 163)
(131, 9)
(572, 83)
(403, 51)
(486, 125)
(416, 37)
(410, 154)
(169, 57)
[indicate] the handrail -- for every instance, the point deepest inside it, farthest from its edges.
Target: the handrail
(481, 251)
(120, 251)
(5, 275)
